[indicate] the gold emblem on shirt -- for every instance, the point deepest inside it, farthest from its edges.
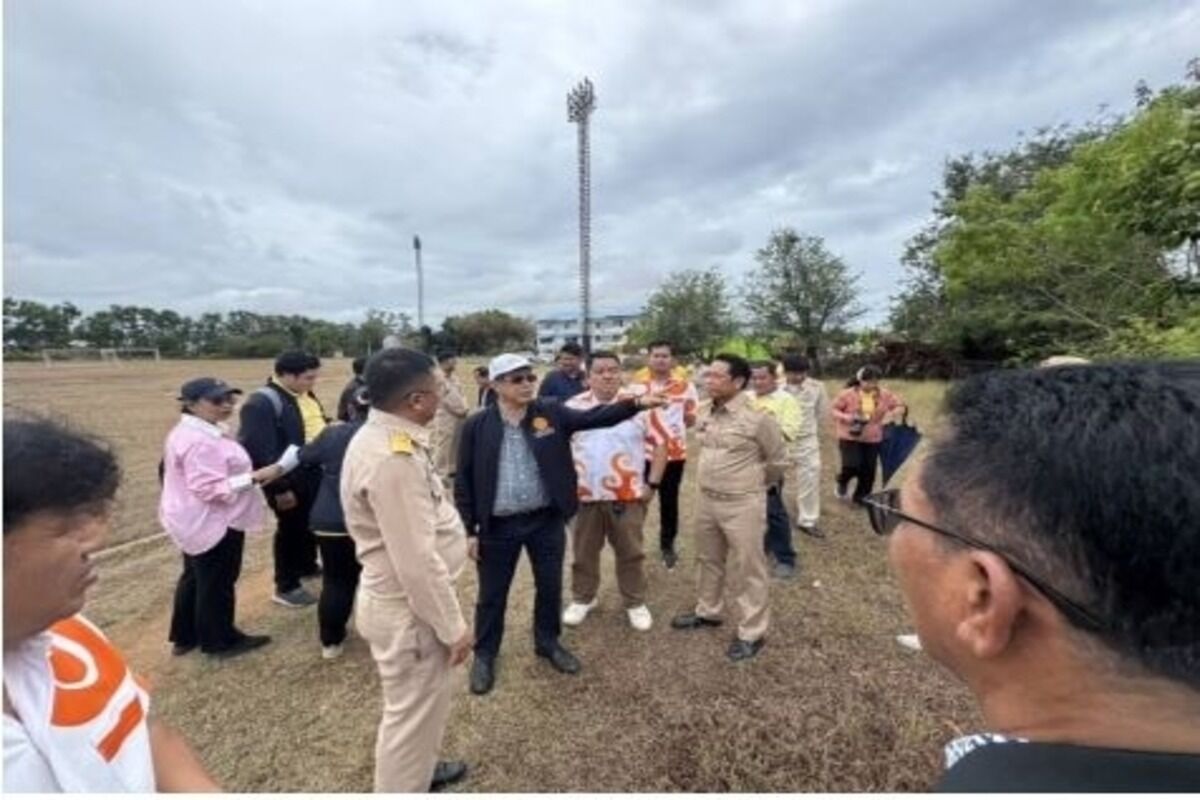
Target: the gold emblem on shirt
(402, 443)
(540, 424)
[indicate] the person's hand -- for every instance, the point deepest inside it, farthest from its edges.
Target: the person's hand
(266, 474)
(286, 501)
(652, 400)
(473, 548)
(647, 493)
(461, 649)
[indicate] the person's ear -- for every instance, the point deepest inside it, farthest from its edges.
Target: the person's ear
(991, 596)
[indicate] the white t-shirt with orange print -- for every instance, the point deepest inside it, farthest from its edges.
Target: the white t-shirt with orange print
(81, 715)
(668, 425)
(609, 461)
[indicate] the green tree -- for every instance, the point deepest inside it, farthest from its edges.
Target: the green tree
(802, 289)
(487, 332)
(692, 310)
(30, 325)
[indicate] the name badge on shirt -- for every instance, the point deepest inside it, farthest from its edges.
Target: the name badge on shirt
(541, 427)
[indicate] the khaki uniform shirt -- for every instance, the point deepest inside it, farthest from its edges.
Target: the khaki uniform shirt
(408, 535)
(448, 424)
(741, 448)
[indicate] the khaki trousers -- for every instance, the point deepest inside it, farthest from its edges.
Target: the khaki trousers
(802, 484)
(729, 543)
(415, 675)
(621, 525)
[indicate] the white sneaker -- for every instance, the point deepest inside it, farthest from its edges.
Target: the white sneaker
(640, 618)
(577, 613)
(330, 652)
(909, 640)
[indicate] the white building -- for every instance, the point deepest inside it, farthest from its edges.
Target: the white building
(609, 332)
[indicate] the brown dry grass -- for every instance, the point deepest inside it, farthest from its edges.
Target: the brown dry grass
(831, 704)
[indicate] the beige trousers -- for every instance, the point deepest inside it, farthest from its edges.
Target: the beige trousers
(802, 485)
(729, 544)
(414, 672)
(621, 525)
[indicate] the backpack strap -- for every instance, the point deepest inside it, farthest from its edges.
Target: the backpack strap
(273, 397)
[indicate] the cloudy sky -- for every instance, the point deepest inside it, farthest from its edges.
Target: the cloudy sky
(279, 156)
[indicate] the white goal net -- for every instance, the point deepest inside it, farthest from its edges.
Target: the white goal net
(101, 355)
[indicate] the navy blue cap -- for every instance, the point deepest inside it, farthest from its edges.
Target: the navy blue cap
(206, 389)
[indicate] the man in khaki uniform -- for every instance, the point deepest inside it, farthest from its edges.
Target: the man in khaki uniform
(741, 454)
(412, 546)
(451, 414)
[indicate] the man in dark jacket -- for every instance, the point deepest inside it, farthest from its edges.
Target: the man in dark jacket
(516, 488)
(345, 408)
(285, 412)
(1049, 552)
(568, 378)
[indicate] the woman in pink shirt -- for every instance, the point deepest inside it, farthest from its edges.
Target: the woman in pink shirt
(859, 413)
(209, 500)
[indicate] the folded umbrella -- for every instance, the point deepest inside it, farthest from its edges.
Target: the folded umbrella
(899, 440)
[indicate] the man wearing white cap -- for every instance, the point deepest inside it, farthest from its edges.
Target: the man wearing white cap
(516, 488)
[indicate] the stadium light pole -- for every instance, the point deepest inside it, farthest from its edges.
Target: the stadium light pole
(581, 102)
(420, 284)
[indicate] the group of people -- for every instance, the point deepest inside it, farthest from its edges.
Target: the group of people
(1046, 547)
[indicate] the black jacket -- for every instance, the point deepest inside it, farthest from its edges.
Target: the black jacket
(550, 441)
(1036, 767)
(327, 452)
(345, 406)
(265, 435)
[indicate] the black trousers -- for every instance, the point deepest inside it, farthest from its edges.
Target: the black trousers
(778, 540)
(542, 534)
(205, 597)
(668, 503)
(295, 546)
(339, 582)
(859, 462)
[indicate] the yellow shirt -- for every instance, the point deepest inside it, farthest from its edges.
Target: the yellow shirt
(784, 408)
(310, 412)
(867, 404)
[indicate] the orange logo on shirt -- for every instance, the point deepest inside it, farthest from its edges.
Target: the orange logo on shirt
(623, 485)
(88, 672)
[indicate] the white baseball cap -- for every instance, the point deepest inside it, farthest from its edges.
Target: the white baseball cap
(506, 363)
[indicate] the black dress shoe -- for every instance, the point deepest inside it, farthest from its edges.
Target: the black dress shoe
(243, 645)
(740, 649)
(446, 773)
(561, 659)
(687, 622)
(669, 559)
(812, 530)
(483, 675)
(182, 649)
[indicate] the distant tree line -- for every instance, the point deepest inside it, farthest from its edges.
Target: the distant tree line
(31, 326)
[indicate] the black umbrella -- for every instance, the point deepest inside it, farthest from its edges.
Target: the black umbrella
(899, 440)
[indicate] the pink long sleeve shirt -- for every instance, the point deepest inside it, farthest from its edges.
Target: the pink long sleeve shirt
(206, 487)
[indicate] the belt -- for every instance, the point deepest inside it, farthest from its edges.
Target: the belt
(715, 495)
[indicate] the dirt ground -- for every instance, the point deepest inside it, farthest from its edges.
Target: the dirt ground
(831, 704)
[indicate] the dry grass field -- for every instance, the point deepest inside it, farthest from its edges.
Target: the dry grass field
(831, 704)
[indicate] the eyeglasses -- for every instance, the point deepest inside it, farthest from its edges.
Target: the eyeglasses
(527, 377)
(227, 400)
(883, 511)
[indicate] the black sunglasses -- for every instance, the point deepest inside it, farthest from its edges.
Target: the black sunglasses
(883, 511)
(526, 377)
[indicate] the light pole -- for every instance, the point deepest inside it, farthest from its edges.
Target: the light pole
(420, 284)
(581, 102)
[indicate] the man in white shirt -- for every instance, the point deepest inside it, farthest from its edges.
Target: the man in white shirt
(75, 716)
(803, 481)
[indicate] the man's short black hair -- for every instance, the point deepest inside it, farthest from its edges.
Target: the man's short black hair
(738, 366)
(764, 363)
(358, 365)
(445, 355)
(53, 468)
(595, 354)
(657, 343)
(795, 363)
(571, 349)
(481, 370)
(393, 373)
(296, 362)
(1091, 476)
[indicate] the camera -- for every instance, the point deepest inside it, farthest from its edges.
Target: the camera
(857, 426)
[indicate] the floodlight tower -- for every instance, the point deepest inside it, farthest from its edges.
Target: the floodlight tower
(420, 284)
(581, 102)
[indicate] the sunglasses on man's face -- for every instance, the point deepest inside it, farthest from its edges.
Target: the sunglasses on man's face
(525, 377)
(884, 514)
